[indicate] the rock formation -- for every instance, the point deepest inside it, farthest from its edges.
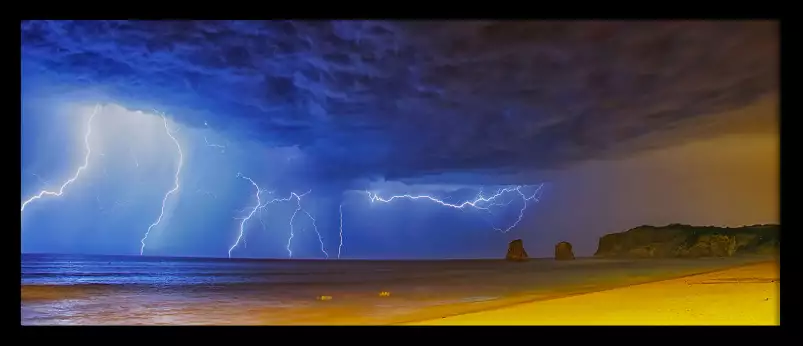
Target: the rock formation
(690, 241)
(563, 251)
(709, 246)
(516, 252)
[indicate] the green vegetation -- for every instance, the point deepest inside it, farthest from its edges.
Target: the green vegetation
(677, 240)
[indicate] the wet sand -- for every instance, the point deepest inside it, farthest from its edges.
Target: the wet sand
(84, 290)
(745, 295)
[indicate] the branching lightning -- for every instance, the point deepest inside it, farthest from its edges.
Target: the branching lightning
(260, 206)
(292, 220)
(261, 221)
(254, 210)
(172, 191)
(298, 209)
(476, 203)
(523, 207)
(77, 172)
(480, 202)
(218, 146)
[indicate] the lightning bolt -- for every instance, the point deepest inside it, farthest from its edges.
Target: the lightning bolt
(260, 206)
(298, 209)
(80, 169)
(315, 227)
(172, 191)
(254, 210)
(292, 221)
(292, 234)
(523, 207)
(261, 221)
(475, 203)
(341, 231)
(221, 147)
(480, 202)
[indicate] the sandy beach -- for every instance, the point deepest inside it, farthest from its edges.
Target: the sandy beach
(745, 295)
(103, 290)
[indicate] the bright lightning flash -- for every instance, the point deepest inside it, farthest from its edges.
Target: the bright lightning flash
(340, 246)
(261, 206)
(77, 172)
(172, 191)
(292, 220)
(523, 207)
(254, 210)
(298, 197)
(314, 226)
(479, 203)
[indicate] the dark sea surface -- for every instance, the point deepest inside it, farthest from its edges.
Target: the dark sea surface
(128, 290)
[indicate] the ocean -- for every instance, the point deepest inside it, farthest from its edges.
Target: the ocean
(135, 290)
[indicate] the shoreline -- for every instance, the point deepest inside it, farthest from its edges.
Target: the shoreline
(438, 312)
(423, 299)
(686, 300)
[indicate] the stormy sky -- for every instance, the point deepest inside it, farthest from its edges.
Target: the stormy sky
(625, 123)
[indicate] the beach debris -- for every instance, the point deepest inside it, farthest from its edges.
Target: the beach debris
(384, 294)
(563, 251)
(516, 252)
(324, 298)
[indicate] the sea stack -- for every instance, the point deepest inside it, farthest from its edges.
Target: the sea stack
(516, 252)
(563, 251)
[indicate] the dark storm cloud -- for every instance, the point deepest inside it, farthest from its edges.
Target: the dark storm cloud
(403, 99)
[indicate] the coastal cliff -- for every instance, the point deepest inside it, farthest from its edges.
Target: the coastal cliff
(678, 240)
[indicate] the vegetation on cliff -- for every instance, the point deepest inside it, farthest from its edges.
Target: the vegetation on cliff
(678, 240)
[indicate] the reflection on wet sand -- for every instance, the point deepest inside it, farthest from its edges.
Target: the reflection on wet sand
(212, 292)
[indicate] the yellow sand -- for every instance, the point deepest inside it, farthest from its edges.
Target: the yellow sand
(747, 295)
